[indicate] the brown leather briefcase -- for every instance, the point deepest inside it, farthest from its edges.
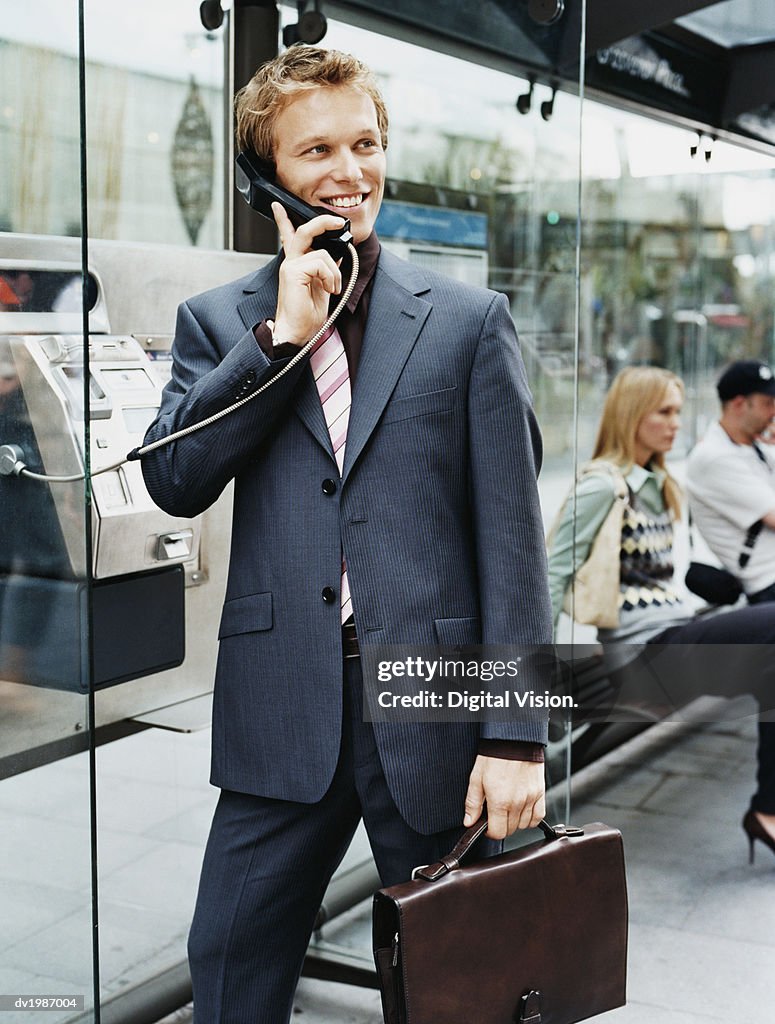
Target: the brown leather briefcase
(534, 936)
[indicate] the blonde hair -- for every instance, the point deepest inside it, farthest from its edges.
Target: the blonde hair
(635, 392)
(258, 105)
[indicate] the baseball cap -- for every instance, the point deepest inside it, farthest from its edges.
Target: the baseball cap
(745, 377)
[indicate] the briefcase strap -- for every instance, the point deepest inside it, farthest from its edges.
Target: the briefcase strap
(432, 872)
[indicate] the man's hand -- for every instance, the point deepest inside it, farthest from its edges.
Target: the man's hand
(513, 790)
(307, 278)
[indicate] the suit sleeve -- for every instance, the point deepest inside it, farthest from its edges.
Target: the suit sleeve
(186, 476)
(505, 456)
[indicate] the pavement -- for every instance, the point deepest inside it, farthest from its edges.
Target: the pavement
(702, 920)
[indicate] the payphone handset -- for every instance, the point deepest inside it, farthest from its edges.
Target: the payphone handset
(254, 180)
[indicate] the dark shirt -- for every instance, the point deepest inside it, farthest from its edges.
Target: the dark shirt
(351, 324)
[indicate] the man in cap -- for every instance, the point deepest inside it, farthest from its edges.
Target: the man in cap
(731, 479)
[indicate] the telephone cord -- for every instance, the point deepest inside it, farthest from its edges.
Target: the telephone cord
(11, 456)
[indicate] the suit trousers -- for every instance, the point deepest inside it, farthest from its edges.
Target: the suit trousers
(266, 868)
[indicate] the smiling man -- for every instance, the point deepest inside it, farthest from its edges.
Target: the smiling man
(385, 493)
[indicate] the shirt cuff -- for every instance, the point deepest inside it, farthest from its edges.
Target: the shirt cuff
(263, 336)
(513, 750)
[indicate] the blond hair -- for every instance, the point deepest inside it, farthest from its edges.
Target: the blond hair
(258, 105)
(635, 392)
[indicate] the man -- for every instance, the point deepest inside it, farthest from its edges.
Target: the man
(430, 507)
(731, 479)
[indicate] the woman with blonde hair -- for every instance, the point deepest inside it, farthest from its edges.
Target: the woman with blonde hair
(639, 423)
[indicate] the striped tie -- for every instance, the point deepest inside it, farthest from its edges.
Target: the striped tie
(329, 368)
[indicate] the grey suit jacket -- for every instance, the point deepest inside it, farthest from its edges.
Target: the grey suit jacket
(437, 514)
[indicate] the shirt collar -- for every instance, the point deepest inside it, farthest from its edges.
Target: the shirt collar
(640, 475)
(368, 254)
(716, 430)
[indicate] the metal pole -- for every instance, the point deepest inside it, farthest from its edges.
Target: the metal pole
(255, 35)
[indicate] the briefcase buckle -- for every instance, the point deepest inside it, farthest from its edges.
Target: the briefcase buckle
(530, 1008)
(417, 870)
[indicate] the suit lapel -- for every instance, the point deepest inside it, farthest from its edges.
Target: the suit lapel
(259, 303)
(396, 317)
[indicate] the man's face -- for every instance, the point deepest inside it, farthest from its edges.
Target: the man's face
(757, 414)
(328, 152)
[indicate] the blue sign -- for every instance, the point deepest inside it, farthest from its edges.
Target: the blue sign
(412, 222)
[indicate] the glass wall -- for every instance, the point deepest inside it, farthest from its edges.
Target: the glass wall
(677, 270)
(47, 968)
(675, 267)
(157, 117)
(155, 122)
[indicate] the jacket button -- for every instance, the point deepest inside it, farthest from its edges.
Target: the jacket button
(250, 377)
(329, 487)
(328, 595)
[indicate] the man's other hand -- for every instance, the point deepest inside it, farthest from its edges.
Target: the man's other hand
(514, 793)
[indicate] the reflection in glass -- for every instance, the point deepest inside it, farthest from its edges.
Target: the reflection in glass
(27, 290)
(139, 83)
(45, 870)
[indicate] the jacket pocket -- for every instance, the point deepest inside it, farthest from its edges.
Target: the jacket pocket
(419, 405)
(451, 632)
(250, 614)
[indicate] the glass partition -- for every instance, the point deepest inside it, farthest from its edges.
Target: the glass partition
(676, 267)
(614, 244)
(156, 122)
(46, 826)
(158, 115)
(675, 258)
(676, 271)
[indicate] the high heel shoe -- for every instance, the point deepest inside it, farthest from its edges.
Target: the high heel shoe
(754, 829)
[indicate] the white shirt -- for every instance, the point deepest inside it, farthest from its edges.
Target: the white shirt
(731, 488)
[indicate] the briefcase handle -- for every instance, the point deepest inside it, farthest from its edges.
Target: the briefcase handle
(432, 872)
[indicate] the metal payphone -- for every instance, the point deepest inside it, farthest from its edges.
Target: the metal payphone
(155, 582)
(139, 554)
